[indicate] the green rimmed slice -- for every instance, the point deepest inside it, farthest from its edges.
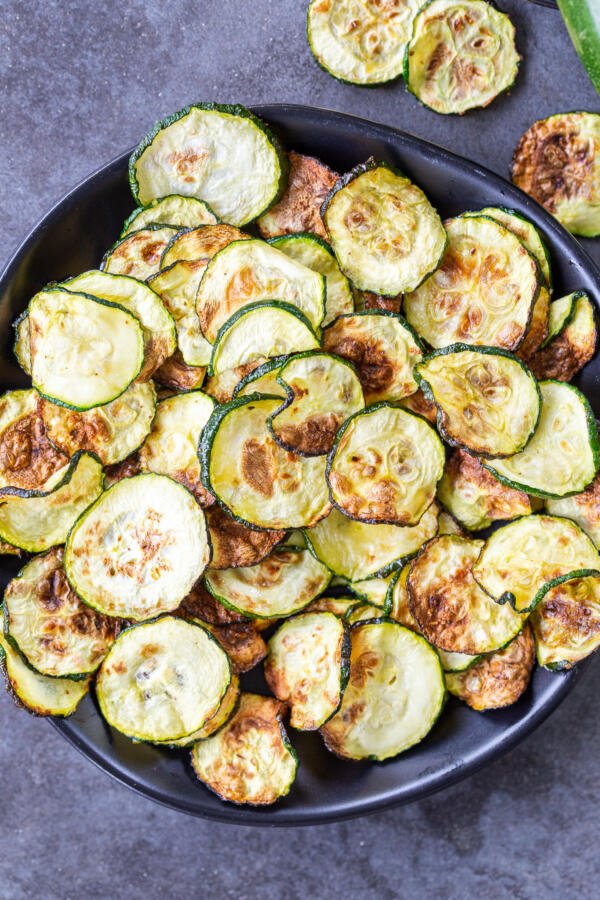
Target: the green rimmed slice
(226, 710)
(560, 313)
(262, 380)
(583, 508)
(196, 244)
(176, 375)
(339, 606)
(566, 621)
(569, 351)
(139, 253)
(181, 212)
(177, 286)
(27, 457)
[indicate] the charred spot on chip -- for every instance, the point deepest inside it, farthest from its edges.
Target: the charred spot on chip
(27, 457)
(299, 209)
(234, 544)
(139, 254)
(176, 374)
(201, 604)
(243, 644)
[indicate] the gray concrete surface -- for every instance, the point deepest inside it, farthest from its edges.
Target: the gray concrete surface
(79, 83)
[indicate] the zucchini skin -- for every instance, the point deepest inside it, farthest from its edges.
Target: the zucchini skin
(582, 19)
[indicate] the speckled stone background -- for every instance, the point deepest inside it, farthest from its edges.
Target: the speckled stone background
(79, 83)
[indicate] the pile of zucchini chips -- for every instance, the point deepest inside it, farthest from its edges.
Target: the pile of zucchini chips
(455, 55)
(232, 428)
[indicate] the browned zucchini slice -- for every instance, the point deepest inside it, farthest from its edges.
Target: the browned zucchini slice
(537, 331)
(339, 606)
(27, 458)
(583, 508)
(568, 352)
(299, 208)
(181, 212)
(234, 544)
(566, 622)
(177, 286)
(262, 380)
(200, 244)
(176, 374)
(227, 707)
(139, 254)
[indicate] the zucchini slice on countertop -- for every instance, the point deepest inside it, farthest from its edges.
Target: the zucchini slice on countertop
(177, 286)
(566, 621)
(171, 447)
(139, 254)
(557, 162)
(247, 272)
(37, 520)
(356, 550)
(482, 293)
(460, 56)
(521, 558)
(177, 375)
(498, 679)
(360, 41)
(582, 18)
(584, 509)
(567, 353)
(252, 476)
(137, 551)
(162, 680)
(27, 458)
(281, 584)
(221, 387)
(322, 392)
(258, 332)
(234, 544)
(85, 352)
(385, 465)
(181, 212)
(488, 401)
(451, 609)
(560, 313)
(474, 497)
(262, 380)
(250, 760)
(316, 254)
(299, 209)
(384, 231)
(562, 457)
(195, 244)
(112, 432)
(366, 300)
(47, 623)
(394, 695)
(227, 708)
(308, 665)
(382, 348)
(221, 154)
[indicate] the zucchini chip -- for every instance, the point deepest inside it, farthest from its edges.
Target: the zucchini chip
(394, 696)
(521, 558)
(137, 551)
(247, 272)
(560, 313)
(567, 353)
(250, 760)
(85, 352)
(252, 476)
(397, 600)
(537, 330)
(499, 679)
(461, 55)
(299, 209)
(162, 680)
(526, 231)
(234, 544)
(364, 612)
(475, 498)
(460, 662)
(562, 456)
(384, 466)
(557, 162)
(447, 524)
(139, 254)
(49, 625)
(221, 154)
(27, 458)
(181, 212)
(374, 591)
(566, 622)
(365, 300)
(112, 432)
(384, 231)
(37, 520)
(281, 584)
(488, 401)
(200, 244)
(361, 41)
(178, 376)
(419, 404)
(22, 344)
(482, 293)
(171, 447)
(259, 332)
(242, 643)
(583, 508)
(158, 327)
(382, 348)
(339, 606)
(451, 609)
(307, 667)
(125, 469)
(226, 709)
(355, 550)
(262, 380)
(177, 286)
(322, 391)
(316, 254)
(221, 387)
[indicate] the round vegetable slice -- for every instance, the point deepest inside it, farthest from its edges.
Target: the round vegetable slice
(262, 380)
(482, 293)
(281, 584)
(361, 41)
(45, 620)
(182, 212)
(177, 286)
(526, 231)
(384, 231)
(177, 375)
(234, 544)
(299, 209)
(137, 551)
(227, 707)
(488, 401)
(562, 457)
(139, 254)
(307, 667)
(27, 458)
(250, 760)
(162, 680)
(566, 622)
(557, 162)
(200, 244)
(568, 352)
(339, 606)
(458, 662)
(461, 55)
(252, 476)
(394, 695)
(385, 465)
(560, 313)
(520, 558)
(364, 612)
(382, 348)
(583, 508)
(451, 609)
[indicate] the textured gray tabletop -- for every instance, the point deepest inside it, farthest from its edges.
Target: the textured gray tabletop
(80, 83)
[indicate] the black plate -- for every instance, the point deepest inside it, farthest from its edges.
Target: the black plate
(73, 237)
